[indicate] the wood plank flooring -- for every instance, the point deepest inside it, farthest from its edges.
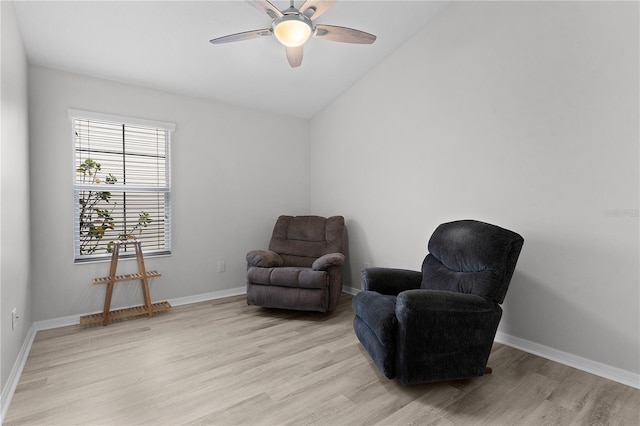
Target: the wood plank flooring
(226, 363)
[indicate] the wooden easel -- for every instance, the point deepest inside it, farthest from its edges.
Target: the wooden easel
(147, 309)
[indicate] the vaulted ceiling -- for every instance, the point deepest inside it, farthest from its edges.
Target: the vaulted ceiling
(165, 45)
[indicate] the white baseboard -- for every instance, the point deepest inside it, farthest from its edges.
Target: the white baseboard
(350, 290)
(208, 296)
(16, 372)
(75, 319)
(608, 372)
(57, 322)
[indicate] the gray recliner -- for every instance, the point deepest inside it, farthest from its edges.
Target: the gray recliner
(302, 269)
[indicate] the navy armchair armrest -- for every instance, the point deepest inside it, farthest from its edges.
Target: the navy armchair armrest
(461, 327)
(434, 303)
(390, 281)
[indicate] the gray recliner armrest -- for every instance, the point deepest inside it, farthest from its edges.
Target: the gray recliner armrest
(264, 259)
(328, 260)
(390, 281)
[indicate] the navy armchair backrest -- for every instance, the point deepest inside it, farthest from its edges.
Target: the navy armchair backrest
(472, 257)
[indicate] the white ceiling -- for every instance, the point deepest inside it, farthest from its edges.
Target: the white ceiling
(165, 45)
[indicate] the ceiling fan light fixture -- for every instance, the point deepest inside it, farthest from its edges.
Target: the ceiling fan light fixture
(292, 30)
(292, 27)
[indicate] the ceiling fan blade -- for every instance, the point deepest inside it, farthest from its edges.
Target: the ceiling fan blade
(247, 35)
(315, 8)
(266, 7)
(294, 56)
(343, 34)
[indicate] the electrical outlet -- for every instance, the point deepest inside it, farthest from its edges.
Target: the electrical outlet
(221, 266)
(14, 317)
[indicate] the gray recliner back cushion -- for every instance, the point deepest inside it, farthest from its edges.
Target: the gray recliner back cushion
(471, 257)
(300, 240)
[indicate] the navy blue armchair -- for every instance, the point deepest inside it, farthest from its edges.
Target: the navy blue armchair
(439, 324)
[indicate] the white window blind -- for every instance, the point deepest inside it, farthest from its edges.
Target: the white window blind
(122, 184)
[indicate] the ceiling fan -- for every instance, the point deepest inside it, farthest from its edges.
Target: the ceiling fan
(293, 27)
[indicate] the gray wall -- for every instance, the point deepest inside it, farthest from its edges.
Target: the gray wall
(520, 114)
(15, 277)
(233, 173)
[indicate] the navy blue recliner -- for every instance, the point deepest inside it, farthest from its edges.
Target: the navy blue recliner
(439, 324)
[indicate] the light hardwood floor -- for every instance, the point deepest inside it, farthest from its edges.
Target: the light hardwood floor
(225, 363)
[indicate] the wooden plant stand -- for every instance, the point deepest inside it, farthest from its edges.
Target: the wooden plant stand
(147, 309)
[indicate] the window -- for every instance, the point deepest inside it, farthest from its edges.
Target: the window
(122, 184)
